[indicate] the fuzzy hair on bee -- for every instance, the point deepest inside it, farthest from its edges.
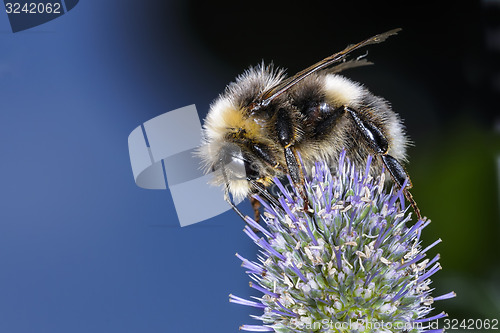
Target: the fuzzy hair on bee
(228, 123)
(267, 125)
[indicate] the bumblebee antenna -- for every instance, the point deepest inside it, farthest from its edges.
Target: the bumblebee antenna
(231, 203)
(227, 196)
(265, 193)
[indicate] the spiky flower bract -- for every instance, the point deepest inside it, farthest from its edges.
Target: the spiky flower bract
(351, 263)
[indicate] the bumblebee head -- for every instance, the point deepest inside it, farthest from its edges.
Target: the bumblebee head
(232, 165)
(232, 133)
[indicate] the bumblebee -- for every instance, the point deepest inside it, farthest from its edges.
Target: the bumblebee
(266, 125)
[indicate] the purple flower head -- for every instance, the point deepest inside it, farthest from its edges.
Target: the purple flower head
(350, 264)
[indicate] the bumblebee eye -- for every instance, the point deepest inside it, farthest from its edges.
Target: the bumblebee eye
(251, 170)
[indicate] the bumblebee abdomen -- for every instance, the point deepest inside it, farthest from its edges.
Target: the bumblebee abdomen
(323, 102)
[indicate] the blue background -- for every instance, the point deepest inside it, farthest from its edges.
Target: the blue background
(83, 249)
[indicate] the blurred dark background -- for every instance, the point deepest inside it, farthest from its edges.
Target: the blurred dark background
(83, 249)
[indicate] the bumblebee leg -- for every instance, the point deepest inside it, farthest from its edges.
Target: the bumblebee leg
(293, 166)
(255, 206)
(287, 135)
(399, 174)
(295, 170)
(264, 193)
(374, 136)
(380, 146)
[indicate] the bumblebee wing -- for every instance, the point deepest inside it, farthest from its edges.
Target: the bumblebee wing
(268, 95)
(348, 64)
